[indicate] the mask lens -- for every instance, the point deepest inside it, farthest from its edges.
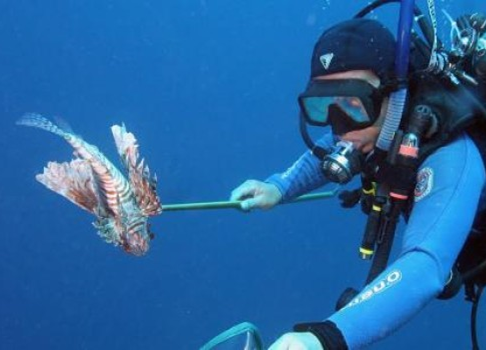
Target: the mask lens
(354, 108)
(343, 113)
(316, 109)
(352, 99)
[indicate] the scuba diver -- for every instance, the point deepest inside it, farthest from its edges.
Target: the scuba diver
(431, 172)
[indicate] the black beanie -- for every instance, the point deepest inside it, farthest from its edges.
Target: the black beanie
(353, 45)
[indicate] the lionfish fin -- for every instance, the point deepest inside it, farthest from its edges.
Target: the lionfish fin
(142, 183)
(126, 145)
(74, 181)
(63, 124)
(38, 121)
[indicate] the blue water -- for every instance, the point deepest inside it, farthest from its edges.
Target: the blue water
(209, 87)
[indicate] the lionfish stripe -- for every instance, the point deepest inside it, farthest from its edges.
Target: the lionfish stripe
(134, 226)
(143, 185)
(74, 181)
(109, 178)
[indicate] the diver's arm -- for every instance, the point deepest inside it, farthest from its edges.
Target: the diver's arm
(446, 198)
(304, 175)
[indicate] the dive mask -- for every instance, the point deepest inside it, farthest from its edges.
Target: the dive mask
(345, 105)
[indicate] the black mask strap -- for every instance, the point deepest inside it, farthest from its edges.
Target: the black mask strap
(319, 152)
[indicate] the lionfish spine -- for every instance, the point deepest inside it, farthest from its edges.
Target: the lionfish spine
(114, 187)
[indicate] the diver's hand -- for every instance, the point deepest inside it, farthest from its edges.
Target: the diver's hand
(297, 341)
(256, 194)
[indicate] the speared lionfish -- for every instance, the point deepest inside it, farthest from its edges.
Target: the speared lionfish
(91, 181)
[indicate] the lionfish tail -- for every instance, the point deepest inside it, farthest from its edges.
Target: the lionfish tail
(74, 181)
(142, 183)
(38, 121)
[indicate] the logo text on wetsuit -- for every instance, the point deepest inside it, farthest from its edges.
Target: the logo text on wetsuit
(381, 285)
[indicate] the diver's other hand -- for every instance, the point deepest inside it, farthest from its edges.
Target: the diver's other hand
(256, 194)
(297, 341)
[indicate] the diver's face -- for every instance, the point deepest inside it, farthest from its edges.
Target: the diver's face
(364, 139)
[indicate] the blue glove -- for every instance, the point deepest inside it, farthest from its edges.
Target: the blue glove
(256, 194)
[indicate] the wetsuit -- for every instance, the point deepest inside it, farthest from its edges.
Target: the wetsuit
(450, 184)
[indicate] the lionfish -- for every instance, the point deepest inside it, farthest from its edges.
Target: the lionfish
(122, 206)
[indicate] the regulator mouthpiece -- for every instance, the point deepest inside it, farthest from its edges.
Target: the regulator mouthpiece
(342, 164)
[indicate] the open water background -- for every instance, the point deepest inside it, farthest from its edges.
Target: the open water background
(209, 88)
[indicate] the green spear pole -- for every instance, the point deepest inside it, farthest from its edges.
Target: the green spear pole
(237, 204)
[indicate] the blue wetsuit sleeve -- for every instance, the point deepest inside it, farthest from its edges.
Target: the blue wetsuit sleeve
(449, 185)
(304, 175)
